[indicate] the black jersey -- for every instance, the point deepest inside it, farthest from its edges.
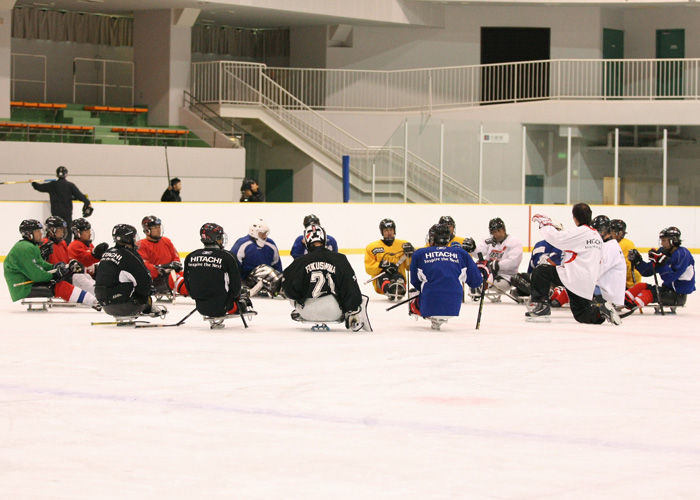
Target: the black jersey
(213, 280)
(61, 194)
(122, 275)
(322, 272)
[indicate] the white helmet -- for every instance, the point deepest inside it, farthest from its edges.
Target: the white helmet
(259, 231)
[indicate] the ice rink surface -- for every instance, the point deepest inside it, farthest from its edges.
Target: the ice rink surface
(514, 410)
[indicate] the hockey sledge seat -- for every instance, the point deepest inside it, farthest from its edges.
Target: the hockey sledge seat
(217, 322)
(321, 326)
(437, 321)
(39, 299)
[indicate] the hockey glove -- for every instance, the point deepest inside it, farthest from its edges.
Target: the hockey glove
(61, 272)
(493, 267)
(46, 250)
(99, 250)
(634, 257)
(353, 321)
(389, 268)
(176, 266)
(469, 245)
(658, 257)
(483, 268)
(408, 249)
(75, 267)
(543, 220)
(87, 211)
(163, 269)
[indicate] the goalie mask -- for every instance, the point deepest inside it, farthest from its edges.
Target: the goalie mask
(313, 235)
(148, 223)
(259, 231)
(53, 224)
(80, 225)
(213, 234)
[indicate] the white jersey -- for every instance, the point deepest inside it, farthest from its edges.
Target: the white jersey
(508, 253)
(583, 251)
(613, 273)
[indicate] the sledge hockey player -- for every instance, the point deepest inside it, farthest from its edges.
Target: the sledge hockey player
(212, 278)
(387, 261)
(259, 258)
(81, 248)
(56, 230)
(160, 257)
(543, 254)
(503, 254)
(612, 274)
(578, 274)
(675, 266)
(24, 264)
(450, 223)
(122, 282)
(618, 230)
(438, 273)
(299, 246)
(322, 286)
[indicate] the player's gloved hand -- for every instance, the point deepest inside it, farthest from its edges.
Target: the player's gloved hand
(469, 245)
(408, 249)
(388, 267)
(543, 221)
(176, 266)
(544, 260)
(61, 271)
(658, 257)
(353, 321)
(413, 307)
(75, 267)
(634, 257)
(46, 250)
(163, 269)
(87, 210)
(99, 250)
(483, 268)
(493, 267)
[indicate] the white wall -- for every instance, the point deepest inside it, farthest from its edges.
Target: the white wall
(133, 173)
(353, 225)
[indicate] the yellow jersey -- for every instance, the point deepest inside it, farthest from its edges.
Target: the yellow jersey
(626, 245)
(379, 251)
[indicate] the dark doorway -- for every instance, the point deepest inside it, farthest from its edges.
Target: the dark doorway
(279, 185)
(670, 44)
(504, 83)
(613, 48)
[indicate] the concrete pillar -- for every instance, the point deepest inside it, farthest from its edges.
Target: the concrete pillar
(5, 57)
(162, 57)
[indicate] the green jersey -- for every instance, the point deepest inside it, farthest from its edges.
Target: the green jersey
(24, 263)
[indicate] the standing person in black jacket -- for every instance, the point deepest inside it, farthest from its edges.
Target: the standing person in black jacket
(250, 191)
(61, 194)
(173, 191)
(322, 285)
(212, 276)
(122, 283)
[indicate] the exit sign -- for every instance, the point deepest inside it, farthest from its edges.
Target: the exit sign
(495, 138)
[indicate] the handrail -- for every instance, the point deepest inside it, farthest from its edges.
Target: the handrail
(103, 85)
(210, 116)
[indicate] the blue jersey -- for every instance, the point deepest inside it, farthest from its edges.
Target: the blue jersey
(438, 272)
(678, 273)
(250, 255)
(299, 249)
(544, 250)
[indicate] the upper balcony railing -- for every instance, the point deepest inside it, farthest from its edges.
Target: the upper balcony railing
(464, 86)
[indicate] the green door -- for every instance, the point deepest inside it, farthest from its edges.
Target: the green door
(670, 44)
(534, 189)
(279, 185)
(613, 48)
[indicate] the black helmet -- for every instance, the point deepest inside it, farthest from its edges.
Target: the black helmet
(601, 223)
(619, 226)
(439, 235)
(124, 234)
(61, 172)
(148, 222)
(213, 234)
(52, 224)
(448, 220)
(27, 228)
(386, 223)
(311, 219)
(79, 225)
(495, 224)
(313, 234)
(673, 234)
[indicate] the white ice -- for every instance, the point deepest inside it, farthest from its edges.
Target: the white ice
(513, 410)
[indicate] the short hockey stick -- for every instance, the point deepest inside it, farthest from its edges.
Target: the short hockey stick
(245, 323)
(174, 324)
(409, 299)
(483, 293)
(658, 295)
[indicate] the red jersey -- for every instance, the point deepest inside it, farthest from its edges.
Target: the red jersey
(60, 252)
(156, 253)
(81, 252)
